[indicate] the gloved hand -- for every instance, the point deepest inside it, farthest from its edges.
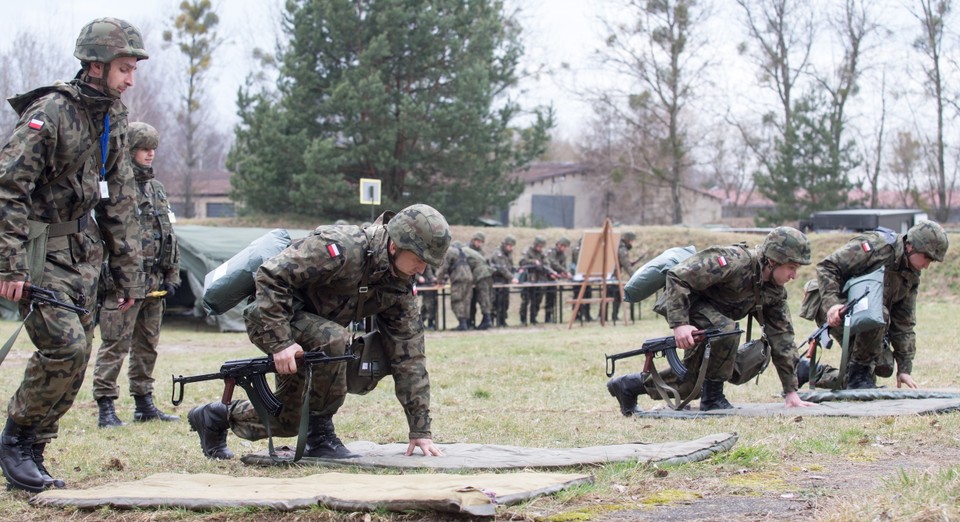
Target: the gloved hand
(170, 288)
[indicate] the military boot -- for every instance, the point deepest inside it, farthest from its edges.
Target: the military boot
(322, 440)
(146, 411)
(462, 327)
(626, 389)
(48, 480)
(485, 322)
(860, 377)
(210, 422)
(108, 415)
(803, 371)
(712, 398)
(16, 457)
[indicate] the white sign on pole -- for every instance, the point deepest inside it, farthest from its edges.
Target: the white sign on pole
(369, 191)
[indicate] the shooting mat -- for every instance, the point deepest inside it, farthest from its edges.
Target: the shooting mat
(879, 402)
(463, 456)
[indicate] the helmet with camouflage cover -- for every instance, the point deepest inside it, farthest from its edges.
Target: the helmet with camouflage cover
(422, 230)
(539, 241)
(142, 135)
(629, 236)
(478, 236)
(928, 237)
(786, 245)
(563, 241)
(106, 39)
(509, 240)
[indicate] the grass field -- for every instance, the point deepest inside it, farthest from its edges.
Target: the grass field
(544, 387)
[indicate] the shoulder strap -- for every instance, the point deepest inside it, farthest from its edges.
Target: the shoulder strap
(71, 169)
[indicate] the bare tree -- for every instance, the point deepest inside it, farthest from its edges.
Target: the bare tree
(731, 168)
(32, 61)
(907, 159)
(872, 166)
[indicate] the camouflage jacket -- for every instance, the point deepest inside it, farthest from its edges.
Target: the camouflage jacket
(57, 125)
(161, 255)
(557, 260)
(321, 274)
(623, 257)
(535, 265)
(478, 265)
(866, 253)
(727, 278)
(502, 265)
(455, 266)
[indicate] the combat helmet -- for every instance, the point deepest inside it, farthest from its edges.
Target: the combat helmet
(142, 135)
(928, 237)
(105, 39)
(422, 230)
(629, 236)
(786, 245)
(539, 241)
(509, 240)
(563, 241)
(478, 236)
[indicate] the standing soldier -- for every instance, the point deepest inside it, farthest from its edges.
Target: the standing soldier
(583, 313)
(503, 273)
(903, 257)
(476, 244)
(136, 331)
(623, 259)
(713, 289)
(534, 267)
(307, 296)
(457, 270)
(428, 298)
(557, 260)
(63, 162)
(482, 285)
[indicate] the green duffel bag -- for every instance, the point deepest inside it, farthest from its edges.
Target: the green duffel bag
(867, 314)
(652, 276)
(232, 282)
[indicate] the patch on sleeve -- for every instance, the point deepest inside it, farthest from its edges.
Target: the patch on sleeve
(35, 124)
(722, 261)
(865, 246)
(333, 249)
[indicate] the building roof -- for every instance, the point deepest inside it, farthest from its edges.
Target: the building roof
(545, 170)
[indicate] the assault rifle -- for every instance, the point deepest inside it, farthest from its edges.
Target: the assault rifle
(251, 375)
(668, 347)
(41, 295)
(821, 335)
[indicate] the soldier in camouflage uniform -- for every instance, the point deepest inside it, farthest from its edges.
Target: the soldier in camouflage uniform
(428, 298)
(63, 162)
(583, 313)
(306, 297)
(534, 269)
(136, 331)
(476, 244)
(713, 289)
(903, 257)
(556, 257)
(623, 258)
(501, 262)
(456, 269)
(482, 285)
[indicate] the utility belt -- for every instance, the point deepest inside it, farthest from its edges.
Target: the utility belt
(68, 227)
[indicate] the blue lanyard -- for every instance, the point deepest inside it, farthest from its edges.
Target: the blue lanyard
(104, 146)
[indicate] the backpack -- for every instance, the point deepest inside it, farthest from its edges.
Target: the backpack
(233, 281)
(652, 276)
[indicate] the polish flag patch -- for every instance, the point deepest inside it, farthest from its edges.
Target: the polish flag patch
(722, 261)
(35, 124)
(866, 246)
(333, 250)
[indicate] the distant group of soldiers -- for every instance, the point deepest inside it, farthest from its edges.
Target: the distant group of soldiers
(472, 276)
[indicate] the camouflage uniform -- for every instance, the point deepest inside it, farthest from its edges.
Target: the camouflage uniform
(428, 298)
(137, 330)
(501, 262)
(482, 282)
(534, 269)
(557, 260)
(715, 288)
(583, 313)
(476, 245)
(457, 270)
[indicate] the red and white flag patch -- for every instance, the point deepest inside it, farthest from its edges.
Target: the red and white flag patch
(866, 246)
(35, 124)
(333, 250)
(722, 261)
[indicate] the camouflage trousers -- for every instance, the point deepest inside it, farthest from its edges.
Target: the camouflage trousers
(530, 299)
(428, 307)
(135, 332)
(723, 354)
(501, 305)
(868, 349)
(328, 386)
(460, 292)
(483, 294)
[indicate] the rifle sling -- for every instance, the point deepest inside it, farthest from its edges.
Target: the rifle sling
(669, 394)
(16, 333)
(261, 410)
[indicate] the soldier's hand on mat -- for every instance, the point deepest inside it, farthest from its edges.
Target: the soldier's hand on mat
(11, 290)
(426, 446)
(125, 303)
(904, 379)
(285, 361)
(833, 316)
(792, 400)
(683, 334)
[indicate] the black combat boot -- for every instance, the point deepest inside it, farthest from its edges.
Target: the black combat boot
(48, 480)
(803, 371)
(108, 415)
(860, 377)
(322, 440)
(462, 327)
(485, 322)
(146, 411)
(712, 398)
(210, 422)
(626, 389)
(16, 457)
(616, 311)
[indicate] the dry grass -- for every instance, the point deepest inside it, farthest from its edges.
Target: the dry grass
(545, 388)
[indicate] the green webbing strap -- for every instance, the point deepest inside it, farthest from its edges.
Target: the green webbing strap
(844, 354)
(9, 344)
(669, 394)
(261, 410)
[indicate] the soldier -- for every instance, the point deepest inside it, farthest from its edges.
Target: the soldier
(457, 270)
(136, 331)
(713, 289)
(306, 297)
(61, 163)
(428, 298)
(535, 269)
(556, 257)
(482, 285)
(501, 262)
(583, 313)
(903, 257)
(623, 258)
(476, 244)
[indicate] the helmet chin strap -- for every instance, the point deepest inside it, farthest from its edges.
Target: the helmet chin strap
(101, 82)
